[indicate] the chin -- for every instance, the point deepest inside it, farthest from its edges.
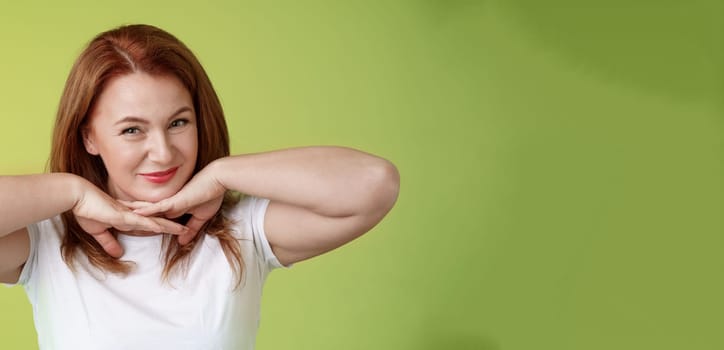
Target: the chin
(153, 193)
(156, 195)
(146, 192)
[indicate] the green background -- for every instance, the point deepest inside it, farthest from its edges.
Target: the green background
(561, 161)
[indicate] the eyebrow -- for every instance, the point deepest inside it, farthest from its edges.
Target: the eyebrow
(133, 119)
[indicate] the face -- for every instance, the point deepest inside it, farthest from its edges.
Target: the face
(144, 129)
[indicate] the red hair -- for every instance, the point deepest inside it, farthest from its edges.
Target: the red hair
(117, 52)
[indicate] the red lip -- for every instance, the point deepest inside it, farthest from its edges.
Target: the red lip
(160, 177)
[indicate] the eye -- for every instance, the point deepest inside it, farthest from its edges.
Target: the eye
(179, 123)
(130, 131)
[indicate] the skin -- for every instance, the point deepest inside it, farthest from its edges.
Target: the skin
(320, 197)
(143, 124)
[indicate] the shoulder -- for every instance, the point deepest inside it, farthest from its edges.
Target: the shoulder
(247, 215)
(21, 249)
(51, 230)
(54, 224)
(246, 206)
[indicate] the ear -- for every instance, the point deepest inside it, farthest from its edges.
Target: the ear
(88, 142)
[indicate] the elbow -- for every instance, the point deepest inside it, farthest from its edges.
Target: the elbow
(385, 187)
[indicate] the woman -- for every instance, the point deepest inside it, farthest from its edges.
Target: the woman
(135, 240)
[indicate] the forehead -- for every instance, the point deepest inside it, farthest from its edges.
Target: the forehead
(140, 95)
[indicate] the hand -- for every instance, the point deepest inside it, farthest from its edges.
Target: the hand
(201, 197)
(96, 213)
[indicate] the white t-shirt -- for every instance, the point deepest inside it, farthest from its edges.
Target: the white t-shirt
(92, 310)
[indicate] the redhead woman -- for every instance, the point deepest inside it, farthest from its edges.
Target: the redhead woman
(146, 233)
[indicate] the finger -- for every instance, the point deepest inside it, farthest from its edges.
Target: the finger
(185, 239)
(168, 226)
(128, 221)
(154, 208)
(134, 204)
(194, 225)
(135, 222)
(109, 244)
(175, 213)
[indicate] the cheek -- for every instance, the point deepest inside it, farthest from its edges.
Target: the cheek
(121, 157)
(190, 146)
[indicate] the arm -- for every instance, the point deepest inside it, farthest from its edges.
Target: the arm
(31, 198)
(321, 197)
(28, 199)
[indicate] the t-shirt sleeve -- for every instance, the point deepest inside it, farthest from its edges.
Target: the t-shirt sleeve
(253, 210)
(29, 265)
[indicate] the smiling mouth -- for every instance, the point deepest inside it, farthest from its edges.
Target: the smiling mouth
(160, 176)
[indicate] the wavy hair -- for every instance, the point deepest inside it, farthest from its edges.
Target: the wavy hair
(114, 53)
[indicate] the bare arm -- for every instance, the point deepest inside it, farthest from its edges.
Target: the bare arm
(30, 198)
(321, 197)
(24, 200)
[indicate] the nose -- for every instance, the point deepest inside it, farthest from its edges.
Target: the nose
(160, 149)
